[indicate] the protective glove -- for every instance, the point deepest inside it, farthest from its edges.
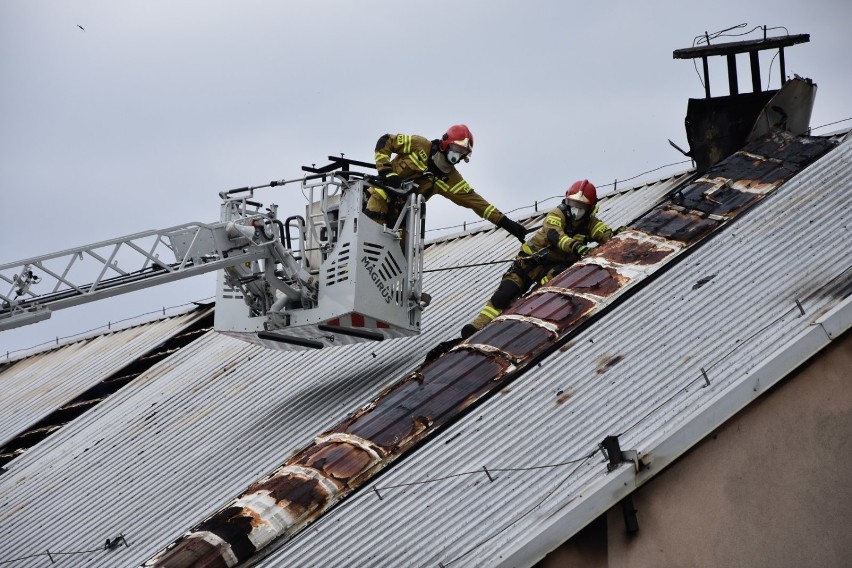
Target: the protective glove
(514, 228)
(581, 250)
(553, 237)
(391, 179)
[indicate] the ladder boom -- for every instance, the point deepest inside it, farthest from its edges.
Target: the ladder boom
(37, 286)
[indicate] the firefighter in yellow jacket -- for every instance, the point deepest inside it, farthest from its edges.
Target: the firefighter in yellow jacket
(432, 165)
(561, 241)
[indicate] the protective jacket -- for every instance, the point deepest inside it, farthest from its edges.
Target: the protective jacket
(565, 237)
(413, 160)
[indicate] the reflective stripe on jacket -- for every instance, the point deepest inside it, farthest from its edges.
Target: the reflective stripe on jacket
(571, 235)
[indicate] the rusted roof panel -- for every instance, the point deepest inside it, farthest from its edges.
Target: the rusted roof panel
(443, 389)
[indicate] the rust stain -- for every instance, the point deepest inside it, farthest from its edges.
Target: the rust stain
(563, 396)
(233, 525)
(194, 550)
(607, 362)
(447, 385)
(753, 186)
(744, 166)
(675, 225)
(795, 151)
(298, 494)
(563, 310)
(338, 460)
(714, 197)
(590, 279)
(628, 250)
(520, 339)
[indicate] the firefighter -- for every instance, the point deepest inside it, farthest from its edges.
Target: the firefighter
(432, 165)
(562, 239)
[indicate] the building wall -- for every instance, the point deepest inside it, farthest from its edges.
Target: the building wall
(771, 487)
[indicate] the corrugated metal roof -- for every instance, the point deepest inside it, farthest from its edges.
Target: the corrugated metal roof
(193, 432)
(35, 386)
(447, 385)
(636, 373)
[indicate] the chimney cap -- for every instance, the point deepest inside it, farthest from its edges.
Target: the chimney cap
(735, 47)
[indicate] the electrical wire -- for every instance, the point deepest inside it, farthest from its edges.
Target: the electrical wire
(108, 325)
(50, 554)
(486, 471)
(515, 521)
(831, 123)
(705, 39)
(603, 196)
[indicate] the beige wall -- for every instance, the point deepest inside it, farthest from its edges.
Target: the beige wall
(772, 487)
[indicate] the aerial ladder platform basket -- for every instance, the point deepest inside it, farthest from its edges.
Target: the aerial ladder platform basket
(364, 278)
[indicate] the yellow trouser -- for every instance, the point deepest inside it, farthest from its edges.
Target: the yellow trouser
(517, 280)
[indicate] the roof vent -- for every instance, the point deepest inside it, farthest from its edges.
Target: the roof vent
(716, 127)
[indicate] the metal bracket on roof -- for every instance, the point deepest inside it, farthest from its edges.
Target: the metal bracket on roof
(612, 450)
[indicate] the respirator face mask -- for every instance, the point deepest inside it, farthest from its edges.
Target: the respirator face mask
(577, 212)
(456, 154)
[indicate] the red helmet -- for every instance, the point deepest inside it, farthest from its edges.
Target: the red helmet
(582, 192)
(459, 135)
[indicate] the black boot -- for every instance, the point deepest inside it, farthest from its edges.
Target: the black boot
(468, 330)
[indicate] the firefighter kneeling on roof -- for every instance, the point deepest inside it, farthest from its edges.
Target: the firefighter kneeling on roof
(432, 166)
(562, 240)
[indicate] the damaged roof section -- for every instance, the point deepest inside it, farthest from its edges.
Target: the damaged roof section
(344, 458)
(718, 126)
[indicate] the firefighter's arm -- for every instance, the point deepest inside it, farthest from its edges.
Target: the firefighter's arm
(557, 238)
(386, 146)
(457, 190)
(599, 231)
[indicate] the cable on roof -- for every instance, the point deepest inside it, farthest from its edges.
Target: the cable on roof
(560, 196)
(831, 123)
(702, 377)
(511, 523)
(705, 39)
(111, 544)
(490, 469)
(109, 324)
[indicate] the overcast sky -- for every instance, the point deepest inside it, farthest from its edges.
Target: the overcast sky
(138, 120)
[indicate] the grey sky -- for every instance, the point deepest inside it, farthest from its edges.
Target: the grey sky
(140, 120)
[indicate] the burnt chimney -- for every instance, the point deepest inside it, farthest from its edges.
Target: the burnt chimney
(716, 127)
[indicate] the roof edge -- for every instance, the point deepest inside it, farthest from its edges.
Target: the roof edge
(600, 496)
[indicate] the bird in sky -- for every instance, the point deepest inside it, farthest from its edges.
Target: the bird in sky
(81, 27)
